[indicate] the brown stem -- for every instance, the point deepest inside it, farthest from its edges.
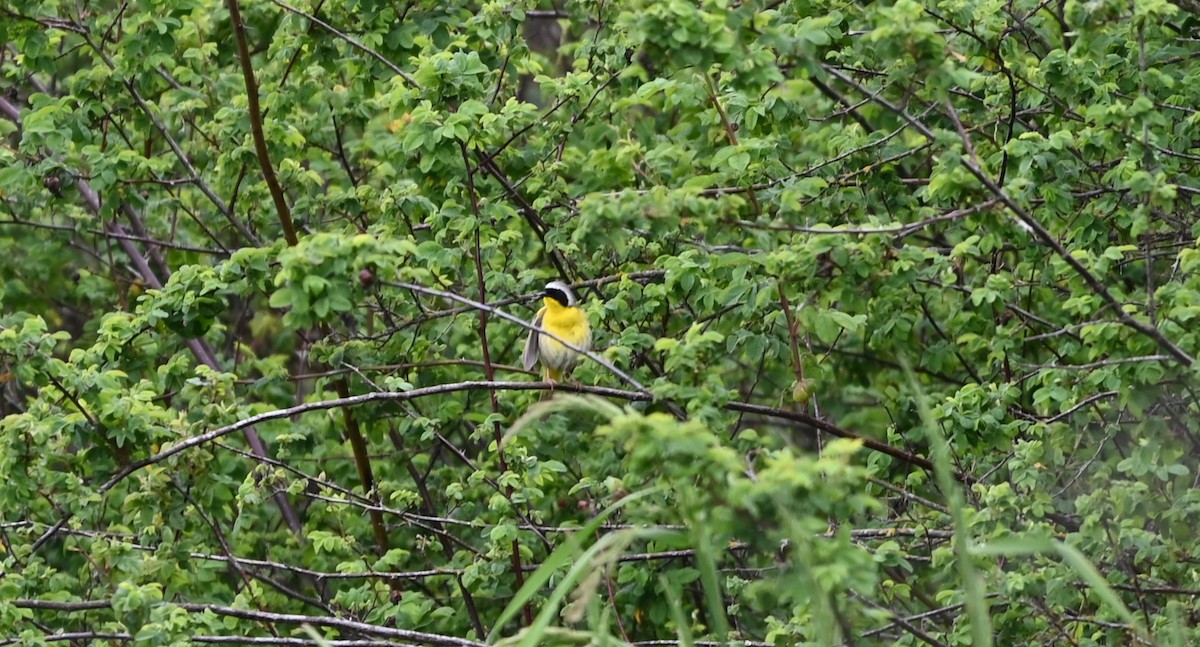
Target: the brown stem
(256, 128)
(731, 133)
(357, 443)
(489, 371)
(793, 340)
(362, 462)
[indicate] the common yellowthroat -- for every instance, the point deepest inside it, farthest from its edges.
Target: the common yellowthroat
(562, 317)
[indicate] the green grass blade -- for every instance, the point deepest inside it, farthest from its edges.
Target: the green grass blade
(707, 563)
(682, 629)
(615, 542)
(559, 558)
(1014, 546)
(562, 402)
(975, 595)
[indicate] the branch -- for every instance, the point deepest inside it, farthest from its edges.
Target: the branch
(91, 636)
(817, 423)
(350, 39)
(294, 642)
(179, 153)
(338, 623)
(263, 616)
(256, 128)
(1097, 287)
(525, 324)
(899, 621)
(357, 443)
(645, 276)
(362, 463)
(490, 373)
(108, 234)
(75, 635)
(730, 133)
(971, 162)
(901, 231)
(877, 98)
(198, 347)
(400, 396)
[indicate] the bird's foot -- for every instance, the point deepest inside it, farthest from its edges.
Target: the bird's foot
(551, 383)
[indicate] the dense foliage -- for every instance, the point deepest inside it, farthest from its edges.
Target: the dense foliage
(895, 307)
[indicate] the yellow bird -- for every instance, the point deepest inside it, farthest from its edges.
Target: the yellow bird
(561, 317)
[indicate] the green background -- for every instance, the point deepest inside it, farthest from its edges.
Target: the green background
(901, 300)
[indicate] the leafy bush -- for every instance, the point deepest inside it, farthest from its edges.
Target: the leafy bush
(895, 308)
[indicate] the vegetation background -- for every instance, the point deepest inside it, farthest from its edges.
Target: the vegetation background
(895, 305)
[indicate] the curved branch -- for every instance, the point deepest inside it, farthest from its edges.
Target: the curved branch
(483, 385)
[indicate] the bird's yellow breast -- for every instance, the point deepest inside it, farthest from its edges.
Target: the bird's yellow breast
(572, 326)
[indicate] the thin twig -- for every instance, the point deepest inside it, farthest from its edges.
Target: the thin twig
(525, 324)
(352, 41)
(971, 163)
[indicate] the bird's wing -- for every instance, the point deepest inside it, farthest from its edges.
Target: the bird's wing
(530, 356)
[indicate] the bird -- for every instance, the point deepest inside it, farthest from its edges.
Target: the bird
(561, 317)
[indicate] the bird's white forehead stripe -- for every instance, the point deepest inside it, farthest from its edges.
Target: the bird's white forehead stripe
(559, 285)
